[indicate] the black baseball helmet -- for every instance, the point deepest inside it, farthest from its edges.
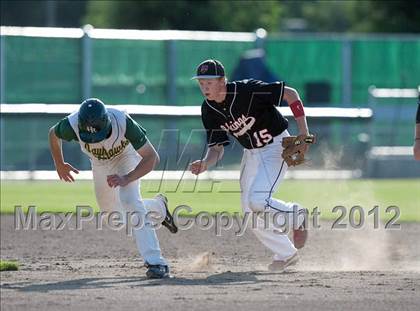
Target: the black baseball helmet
(94, 121)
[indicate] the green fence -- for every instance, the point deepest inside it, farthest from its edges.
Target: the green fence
(129, 71)
(123, 71)
(386, 63)
(299, 62)
(42, 70)
(178, 139)
(157, 72)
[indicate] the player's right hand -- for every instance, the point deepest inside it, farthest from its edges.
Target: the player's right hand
(197, 167)
(64, 170)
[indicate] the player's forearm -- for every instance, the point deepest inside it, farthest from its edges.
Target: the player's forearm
(293, 100)
(145, 166)
(213, 155)
(417, 142)
(55, 148)
(290, 95)
(417, 130)
(302, 125)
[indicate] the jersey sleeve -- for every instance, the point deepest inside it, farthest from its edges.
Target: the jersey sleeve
(135, 133)
(63, 130)
(270, 94)
(215, 136)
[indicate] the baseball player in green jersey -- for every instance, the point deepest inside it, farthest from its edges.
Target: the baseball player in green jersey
(120, 154)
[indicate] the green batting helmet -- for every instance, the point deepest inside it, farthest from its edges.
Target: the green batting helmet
(94, 121)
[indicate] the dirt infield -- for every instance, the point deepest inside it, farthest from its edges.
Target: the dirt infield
(100, 270)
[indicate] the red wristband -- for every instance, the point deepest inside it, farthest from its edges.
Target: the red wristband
(297, 109)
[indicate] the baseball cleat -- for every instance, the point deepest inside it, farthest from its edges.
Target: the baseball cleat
(169, 220)
(300, 236)
(280, 265)
(157, 271)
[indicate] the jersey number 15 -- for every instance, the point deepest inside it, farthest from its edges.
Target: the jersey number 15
(262, 137)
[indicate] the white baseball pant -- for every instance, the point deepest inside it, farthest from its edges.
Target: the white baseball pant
(128, 199)
(262, 171)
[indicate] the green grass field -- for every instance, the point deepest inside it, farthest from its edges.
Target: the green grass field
(225, 195)
(8, 265)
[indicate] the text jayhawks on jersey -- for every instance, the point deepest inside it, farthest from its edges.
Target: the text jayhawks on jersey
(103, 154)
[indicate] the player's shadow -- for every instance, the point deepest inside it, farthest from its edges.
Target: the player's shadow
(225, 278)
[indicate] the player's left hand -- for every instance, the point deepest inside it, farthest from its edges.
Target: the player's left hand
(116, 180)
(295, 148)
(305, 147)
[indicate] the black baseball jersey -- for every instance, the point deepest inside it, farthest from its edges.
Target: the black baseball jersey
(248, 113)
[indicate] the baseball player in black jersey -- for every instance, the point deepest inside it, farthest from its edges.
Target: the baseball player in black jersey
(247, 111)
(417, 133)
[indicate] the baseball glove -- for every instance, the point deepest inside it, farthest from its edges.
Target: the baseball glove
(294, 148)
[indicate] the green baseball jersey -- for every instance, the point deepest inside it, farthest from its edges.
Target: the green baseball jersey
(134, 133)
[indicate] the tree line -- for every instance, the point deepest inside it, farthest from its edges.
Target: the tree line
(397, 16)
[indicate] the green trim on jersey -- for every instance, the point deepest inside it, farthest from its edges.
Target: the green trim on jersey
(63, 130)
(135, 133)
